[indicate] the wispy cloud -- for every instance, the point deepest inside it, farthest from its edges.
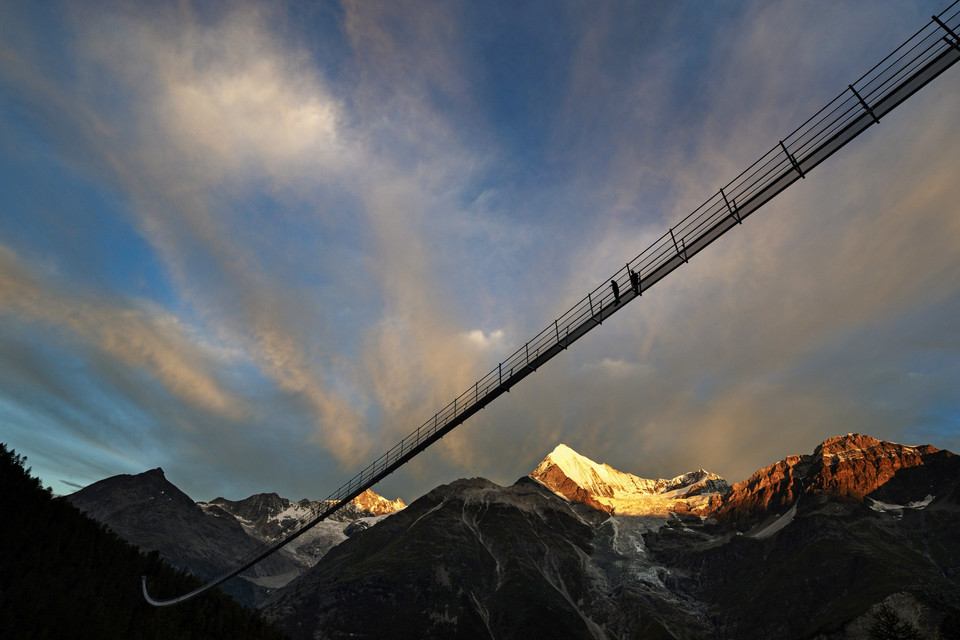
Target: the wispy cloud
(143, 338)
(219, 104)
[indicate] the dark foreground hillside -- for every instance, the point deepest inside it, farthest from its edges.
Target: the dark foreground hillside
(63, 575)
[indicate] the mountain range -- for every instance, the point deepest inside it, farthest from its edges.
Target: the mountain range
(853, 540)
(207, 538)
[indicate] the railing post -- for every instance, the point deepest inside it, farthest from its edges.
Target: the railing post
(677, 246)
(733, 208)
(793, 161)
(955, 43)
(864, 104)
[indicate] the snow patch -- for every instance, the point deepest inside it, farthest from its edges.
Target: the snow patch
(651, 576)
(882, 507)
(778, 524)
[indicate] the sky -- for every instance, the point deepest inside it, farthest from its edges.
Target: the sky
(257, 243)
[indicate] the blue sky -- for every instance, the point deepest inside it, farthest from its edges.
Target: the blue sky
(257, 243)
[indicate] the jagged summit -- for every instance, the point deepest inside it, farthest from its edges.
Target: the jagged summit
(579, 479)
(847, 467)
(854, 444)
(846, 442)
(268, 516)
(376, 504)
(597, 479)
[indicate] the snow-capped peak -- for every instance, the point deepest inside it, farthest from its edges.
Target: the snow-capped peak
(580, 479)
(597, 479)
(377, 504)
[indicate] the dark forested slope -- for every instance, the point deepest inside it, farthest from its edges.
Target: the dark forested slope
(65, 575)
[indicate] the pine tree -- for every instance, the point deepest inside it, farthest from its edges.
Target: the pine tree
(887, 625)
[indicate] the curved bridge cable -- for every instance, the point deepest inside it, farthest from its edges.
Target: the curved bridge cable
(919, 60)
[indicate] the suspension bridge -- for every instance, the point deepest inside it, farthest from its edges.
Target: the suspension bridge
(923, 57)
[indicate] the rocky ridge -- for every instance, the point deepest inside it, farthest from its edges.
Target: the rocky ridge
(848, 467)
(268, 517)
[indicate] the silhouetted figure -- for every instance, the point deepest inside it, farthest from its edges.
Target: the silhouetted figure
(635, 281)
(616, 291)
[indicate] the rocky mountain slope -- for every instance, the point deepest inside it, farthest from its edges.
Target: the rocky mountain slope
(848, 467)
(453, 564)
(268, 517)
(813, 546)
(149, 511)
(206, 538)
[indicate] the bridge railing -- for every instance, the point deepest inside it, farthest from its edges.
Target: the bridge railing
(674, 247)
(797, 153)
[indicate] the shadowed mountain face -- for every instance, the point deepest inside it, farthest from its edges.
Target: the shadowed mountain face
(208, 538)
(809, 547)
(150, 512)
(455, 564)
